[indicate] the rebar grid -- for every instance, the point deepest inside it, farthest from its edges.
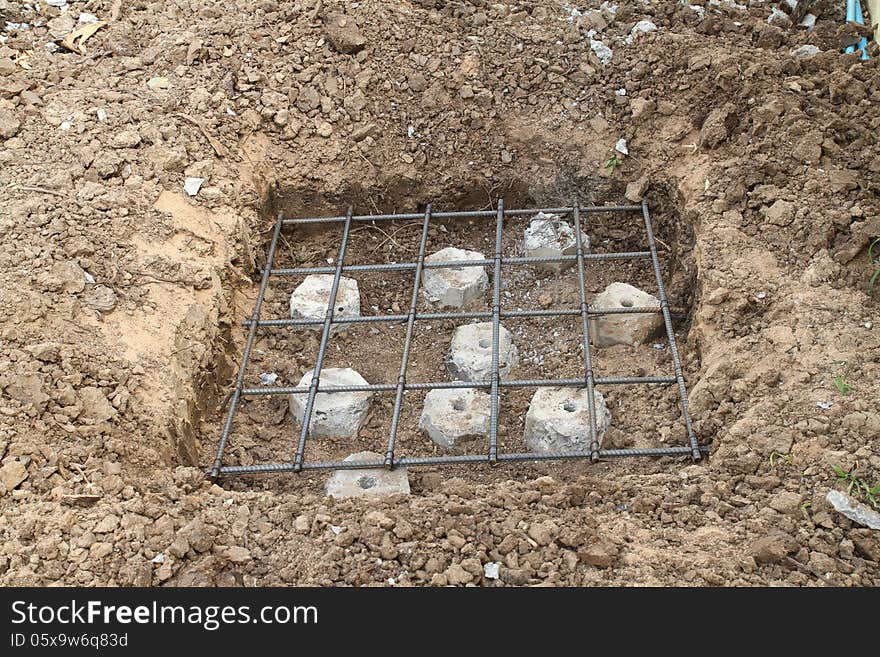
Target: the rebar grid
(494, 384)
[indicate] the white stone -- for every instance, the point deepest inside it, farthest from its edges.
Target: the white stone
(853, 510)
(311, 297)
(548, 236)
(607, 330)
(558, 420)
(454, 286)
(470, 354)
(192, 185)
(334, 414)
(370, 482)
(806, 50)
(451, 415)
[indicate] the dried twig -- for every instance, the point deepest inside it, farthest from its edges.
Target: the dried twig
(219, 148)
(43, 190)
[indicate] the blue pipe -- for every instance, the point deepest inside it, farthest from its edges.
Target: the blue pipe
(854, 15)
(863, 42)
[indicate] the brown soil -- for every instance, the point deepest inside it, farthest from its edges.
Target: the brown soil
(122, 298)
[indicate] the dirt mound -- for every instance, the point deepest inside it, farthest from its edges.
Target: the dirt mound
(122, 294)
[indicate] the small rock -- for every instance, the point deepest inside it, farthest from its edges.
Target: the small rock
(65, 276)
(100, 298)
(12, 474)
(362, 132)
(9, 125)
(343, 34)
(200, 169)
(457, 576)
(515, 576)
(603, 52)
(599, 553)
(28, 390)
(805, 50)
(718, 125)
(61, 26)
(853, 510)
(192, 185)
(126, 139)
(773, 547)
(491, 570)
(235, 554)
(95, 406)
(324, 129)
(642, 27)
(543, 533)
(781, 213)
(787, 502)
(635, 190)
(778, 18)
(417, 82)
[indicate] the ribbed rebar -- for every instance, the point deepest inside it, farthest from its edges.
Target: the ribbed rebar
(585, 334)
(496, 330)
(670, 334)
(322, 349)
(407, 341)
(252, 332)
(410, 462)
(465, 214)
(448, 264)
(369, 319)
(455, 385)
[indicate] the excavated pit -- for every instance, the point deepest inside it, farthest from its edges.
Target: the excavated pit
(644, 416)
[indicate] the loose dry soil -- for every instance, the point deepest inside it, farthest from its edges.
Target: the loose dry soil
(122, 298)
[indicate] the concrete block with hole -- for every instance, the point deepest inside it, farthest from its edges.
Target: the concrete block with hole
(608, 330)
(334, 414)
(450, 416)
(548, 236)
(558, 420)
(454, 287)
(368, 482)
(470, 354)
(311, 298)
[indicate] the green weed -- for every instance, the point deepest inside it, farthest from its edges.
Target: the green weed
(858, 487)
(612, 163)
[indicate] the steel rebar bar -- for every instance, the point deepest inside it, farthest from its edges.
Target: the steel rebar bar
(585, 334)
(496, 330)
(407, 341)
(252, 332)
(670, 334)
(322, 348)
(465, 214)
(448, 264)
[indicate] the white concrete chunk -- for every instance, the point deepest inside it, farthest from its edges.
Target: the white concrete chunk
(334, 414)
(452, 415)
(309, 300)
(470, 354)
(558, 420)
(454, 286)
(607, 330)
(372, 482)
(548, 236)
